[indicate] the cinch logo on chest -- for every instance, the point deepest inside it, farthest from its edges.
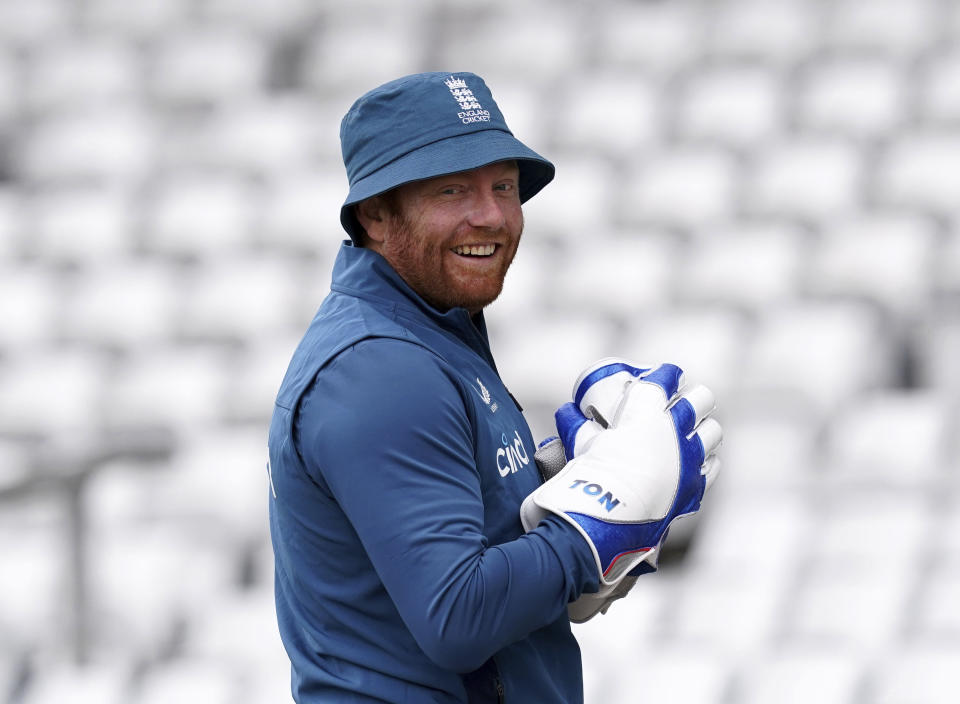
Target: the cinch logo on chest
(512, 456)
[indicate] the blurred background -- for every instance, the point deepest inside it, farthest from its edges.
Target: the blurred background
(766, 192)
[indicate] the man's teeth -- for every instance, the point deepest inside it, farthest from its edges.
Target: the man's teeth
(475, 250)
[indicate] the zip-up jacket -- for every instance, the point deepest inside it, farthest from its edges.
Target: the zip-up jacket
(398, 463)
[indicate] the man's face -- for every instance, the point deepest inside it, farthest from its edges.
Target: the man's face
(452, 238)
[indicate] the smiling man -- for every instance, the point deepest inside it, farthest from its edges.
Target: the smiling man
(399, 460)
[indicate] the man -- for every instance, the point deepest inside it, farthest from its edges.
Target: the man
(399, 460)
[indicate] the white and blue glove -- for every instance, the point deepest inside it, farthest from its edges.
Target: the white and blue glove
(641, 449)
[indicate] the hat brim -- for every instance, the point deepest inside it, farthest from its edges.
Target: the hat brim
(448, 156)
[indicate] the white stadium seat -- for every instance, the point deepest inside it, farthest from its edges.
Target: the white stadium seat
(748, 265)
(625, 275)
(173, 386)
(29, 306)
(895, 27)
(911, 172)
(48, 390)
(112, 143)
(206, 65)
(738, 106)
(800, 674)
(856, 97)
(884, 258)
(65, 74)
(890, 438)
(777, 33)
(199, 215)
(921, 672)
(81, 224)
(660, 39)
(939, 101)
(87, 684)
(128, 302)
(806, 177)
(614, 113)
(683, 187)
(824, 352)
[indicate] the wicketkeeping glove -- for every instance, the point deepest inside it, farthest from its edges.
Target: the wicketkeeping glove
(641, 449)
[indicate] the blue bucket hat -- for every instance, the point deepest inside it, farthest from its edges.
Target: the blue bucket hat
(426, 125)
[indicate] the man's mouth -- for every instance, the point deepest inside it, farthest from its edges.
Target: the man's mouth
(475, 250)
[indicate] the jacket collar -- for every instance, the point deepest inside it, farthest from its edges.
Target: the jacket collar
(365, 274)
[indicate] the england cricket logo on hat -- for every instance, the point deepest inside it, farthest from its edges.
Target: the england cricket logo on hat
(470, 108)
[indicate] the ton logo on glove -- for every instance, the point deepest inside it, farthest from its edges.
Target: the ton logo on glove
(606, 500)
(637, 447)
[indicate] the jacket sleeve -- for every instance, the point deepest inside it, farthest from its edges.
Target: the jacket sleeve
(386, 429)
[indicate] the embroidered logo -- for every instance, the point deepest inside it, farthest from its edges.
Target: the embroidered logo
(512, 455)
(485, 396)
(470, 108)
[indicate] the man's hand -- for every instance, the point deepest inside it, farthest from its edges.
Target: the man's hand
(641, 449)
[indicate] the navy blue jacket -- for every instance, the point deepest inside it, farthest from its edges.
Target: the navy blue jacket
(398, 462)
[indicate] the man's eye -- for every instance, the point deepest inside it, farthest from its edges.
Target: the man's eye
(505, 186)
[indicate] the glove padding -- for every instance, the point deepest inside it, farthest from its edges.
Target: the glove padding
(642, 452)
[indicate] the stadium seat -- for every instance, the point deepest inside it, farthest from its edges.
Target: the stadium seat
(81, 224)
(740, 106)
(82, 684)
(675, 672)
(860, 607)
(33, 612)
(623, 275)
(613, 113)
(802, 673)
(50, 389)
(805, 177)
(884, 258)
(198, 215)
(659, 39)
(854, 97)
(939, 102)
(11, 223)
(238, 298)
(300, 214)
(213, 681)
(677, 334)
(937, 610)
(901, 28)
(10, 87)
(682, 187)
(113, 143)
(751, 265)
(149, 19)
(826, 352)
(64, 75)
(777, 33)
(120, 301)
(581, 195)
(266, 138)
(936, 349)
(893, 438)
(921, 672)
(351, 52)
(205, 65)
(910, 172)
(29, 307)
(24, 24)
(177, 387)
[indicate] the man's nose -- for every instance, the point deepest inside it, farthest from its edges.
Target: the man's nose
(487, 211)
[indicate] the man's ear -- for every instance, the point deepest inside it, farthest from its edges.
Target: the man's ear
(373, 216)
